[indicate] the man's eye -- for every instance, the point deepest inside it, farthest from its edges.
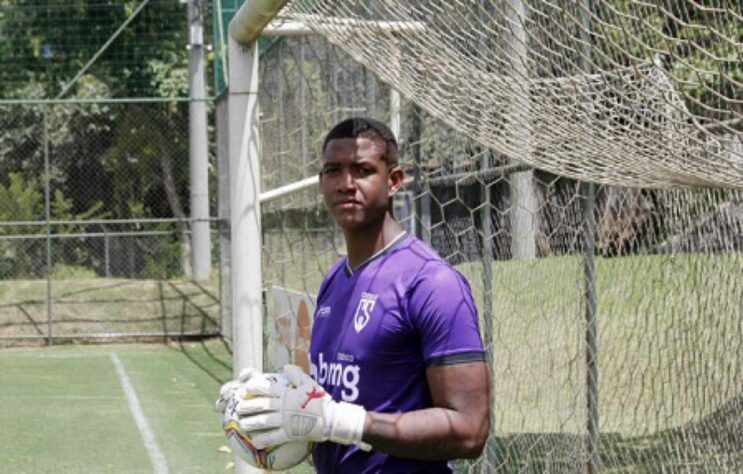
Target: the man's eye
(366, 171)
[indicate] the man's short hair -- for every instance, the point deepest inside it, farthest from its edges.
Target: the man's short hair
(362, 127)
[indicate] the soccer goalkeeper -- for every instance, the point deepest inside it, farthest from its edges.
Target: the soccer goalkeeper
(399, 379)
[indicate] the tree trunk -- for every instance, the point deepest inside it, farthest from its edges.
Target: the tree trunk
(163, 130)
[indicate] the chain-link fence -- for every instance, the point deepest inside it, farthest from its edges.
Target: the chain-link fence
(96, 233)
(611, 314)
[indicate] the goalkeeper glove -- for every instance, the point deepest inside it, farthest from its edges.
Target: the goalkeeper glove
(303, 411)
(251, 382)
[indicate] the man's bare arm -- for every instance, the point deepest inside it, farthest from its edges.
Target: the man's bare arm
(455, 428)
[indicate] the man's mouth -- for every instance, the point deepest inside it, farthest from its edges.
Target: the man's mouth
(347, 203)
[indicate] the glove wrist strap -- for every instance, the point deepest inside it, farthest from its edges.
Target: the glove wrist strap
(345, 423)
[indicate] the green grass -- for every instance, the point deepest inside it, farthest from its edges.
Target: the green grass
(64, 409)
(108, 305)
(669, 342)
(669, 355)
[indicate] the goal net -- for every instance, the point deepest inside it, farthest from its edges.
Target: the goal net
(611, 310)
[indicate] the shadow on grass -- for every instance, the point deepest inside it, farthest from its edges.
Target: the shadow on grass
(212, 364)
(187, 299)
(712, 444)
(108, 306)
(205, 291)
(31, 320)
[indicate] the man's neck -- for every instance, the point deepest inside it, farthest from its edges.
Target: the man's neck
(361, 244)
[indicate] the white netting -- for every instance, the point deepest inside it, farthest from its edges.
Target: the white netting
(512, 107)
(621, 92)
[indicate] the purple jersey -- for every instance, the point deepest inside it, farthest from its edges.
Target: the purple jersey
(375, 332)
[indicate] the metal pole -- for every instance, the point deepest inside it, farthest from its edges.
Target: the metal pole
(486, 224)
(333, 232)
(523, 195)
(370, 88)
(198, 145)
(280, 125)
(47, 213)
(593, 462)
(589, 272)
(418, 186)
(303, 106)
(395, 104)
(303, 143)
(106, 253)
(223, 210)
(245, 213)
(423, 191)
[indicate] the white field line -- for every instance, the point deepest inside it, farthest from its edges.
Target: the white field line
(156, 456)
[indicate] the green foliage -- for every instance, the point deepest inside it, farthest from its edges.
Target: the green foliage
(697, 44)
(169, 76)
(49, 42)
(162, 258)
(105, 159)
(22, 202)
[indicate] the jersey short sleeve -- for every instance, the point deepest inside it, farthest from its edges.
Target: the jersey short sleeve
(441, 308)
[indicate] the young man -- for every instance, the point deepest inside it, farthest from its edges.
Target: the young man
(396, 355)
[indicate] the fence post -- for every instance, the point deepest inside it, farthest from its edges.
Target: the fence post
(106, 253)
(47, 217)
(522, 214)
(593, 461)
(198, 146)
(486, 225)
(589, 273)
(303, 144)
(223, 210)
(422, 191)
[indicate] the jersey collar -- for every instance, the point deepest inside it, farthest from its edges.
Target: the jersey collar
(347, 269)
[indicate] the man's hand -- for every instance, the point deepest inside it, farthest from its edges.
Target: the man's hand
(251, 382)
(303, 411)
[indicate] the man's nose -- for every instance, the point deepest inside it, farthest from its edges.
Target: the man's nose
(346, 182)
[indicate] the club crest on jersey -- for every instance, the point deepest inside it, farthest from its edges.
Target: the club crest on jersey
(364, 311)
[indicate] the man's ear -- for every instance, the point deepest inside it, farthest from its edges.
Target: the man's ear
(394, 179)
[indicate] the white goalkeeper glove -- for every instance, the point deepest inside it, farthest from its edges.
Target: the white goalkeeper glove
(302, 412)
(250, 382)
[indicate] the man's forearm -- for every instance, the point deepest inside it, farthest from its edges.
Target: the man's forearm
(433, 434)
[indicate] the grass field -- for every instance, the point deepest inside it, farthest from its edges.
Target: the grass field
(669, 359)
(668, 328)
(108, 306)
(65, 410)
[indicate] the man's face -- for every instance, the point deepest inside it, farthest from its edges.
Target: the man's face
(356, 181)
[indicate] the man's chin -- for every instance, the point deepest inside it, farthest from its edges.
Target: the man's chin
(351, 225)
(351, 222)
(354, 221)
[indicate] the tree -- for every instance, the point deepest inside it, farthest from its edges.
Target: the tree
(129, 157)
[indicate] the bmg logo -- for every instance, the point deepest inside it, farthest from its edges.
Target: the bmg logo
(337, 374)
